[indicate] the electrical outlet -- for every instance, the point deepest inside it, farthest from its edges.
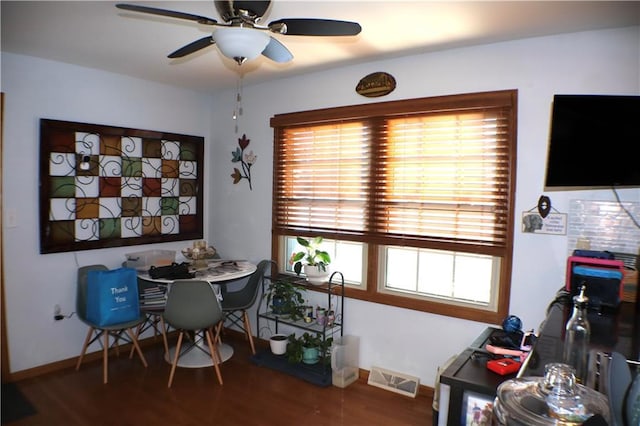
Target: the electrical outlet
(57, 313)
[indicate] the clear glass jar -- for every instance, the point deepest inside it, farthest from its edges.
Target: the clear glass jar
(576, 340)
(555, 399)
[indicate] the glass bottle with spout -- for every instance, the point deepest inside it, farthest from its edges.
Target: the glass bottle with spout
(578, 333)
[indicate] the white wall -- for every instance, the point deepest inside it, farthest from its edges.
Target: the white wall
(398, 339)
(239, 220)
(34, 283)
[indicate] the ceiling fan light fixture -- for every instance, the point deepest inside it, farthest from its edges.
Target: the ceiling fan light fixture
(240, 43)
(240, 37)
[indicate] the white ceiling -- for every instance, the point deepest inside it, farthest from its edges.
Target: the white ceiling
(96, 34)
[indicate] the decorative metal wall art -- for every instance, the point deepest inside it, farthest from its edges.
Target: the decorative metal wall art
(246, 160)
(104, 186)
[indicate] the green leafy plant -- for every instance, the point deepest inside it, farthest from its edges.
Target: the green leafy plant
(297, 345)
(311, 340)
(294, 349)
(285, 298)
(324, 347)
(311, 255)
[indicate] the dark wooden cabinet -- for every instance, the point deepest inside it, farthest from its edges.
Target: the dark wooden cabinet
(467, 381)
(611, 331)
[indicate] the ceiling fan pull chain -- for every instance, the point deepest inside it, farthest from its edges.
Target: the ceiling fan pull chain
(240, 97)
(237, 111)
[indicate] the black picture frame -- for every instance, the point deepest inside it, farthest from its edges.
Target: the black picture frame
(477, 409)
(105, 186)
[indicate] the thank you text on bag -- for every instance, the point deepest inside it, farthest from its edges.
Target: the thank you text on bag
(112, 296)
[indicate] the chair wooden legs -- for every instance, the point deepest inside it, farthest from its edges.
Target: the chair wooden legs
(213, 350)
(217, 341)
(155, 320)
(247, 330)
(134, 341)
(164, 336)
(84, 348)
(138, 331)
(105, 357)
(175, 358)
(105, 348)
(218, 328)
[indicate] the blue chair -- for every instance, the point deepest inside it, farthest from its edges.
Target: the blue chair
(123, 331)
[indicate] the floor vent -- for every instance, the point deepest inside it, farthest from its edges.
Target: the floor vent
(394, 382)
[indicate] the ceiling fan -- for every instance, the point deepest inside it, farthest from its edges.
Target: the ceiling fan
(241, 37)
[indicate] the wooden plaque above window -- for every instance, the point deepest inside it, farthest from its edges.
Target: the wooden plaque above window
(104, 186)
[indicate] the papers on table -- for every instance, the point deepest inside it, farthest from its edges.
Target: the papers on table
(153, 297)
(227, 266)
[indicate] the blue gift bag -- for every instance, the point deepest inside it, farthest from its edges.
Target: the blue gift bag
(112, 296)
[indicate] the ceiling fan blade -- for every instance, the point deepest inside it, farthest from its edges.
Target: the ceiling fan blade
(192, 47)
(277, 52)
(315, 27)
(170, 13)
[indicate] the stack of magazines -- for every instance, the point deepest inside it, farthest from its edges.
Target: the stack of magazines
(153, 297)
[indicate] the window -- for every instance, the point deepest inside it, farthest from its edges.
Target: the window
(346, 257)
(419, 193)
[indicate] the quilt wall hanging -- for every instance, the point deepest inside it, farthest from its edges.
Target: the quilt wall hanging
(104, 186)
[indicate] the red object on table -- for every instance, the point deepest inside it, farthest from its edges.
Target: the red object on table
(503, 366)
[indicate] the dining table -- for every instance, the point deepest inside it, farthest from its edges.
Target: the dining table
(217, 272)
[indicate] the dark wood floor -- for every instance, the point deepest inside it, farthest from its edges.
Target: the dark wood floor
(251, 395)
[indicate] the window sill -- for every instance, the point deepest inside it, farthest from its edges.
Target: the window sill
(444, 309)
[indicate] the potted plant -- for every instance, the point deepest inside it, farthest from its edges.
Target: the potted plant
(294, 349)
(308, 348)
(278, 344)
(285, 298)
(312, 259)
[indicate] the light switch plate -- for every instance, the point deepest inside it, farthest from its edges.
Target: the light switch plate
(12, 218)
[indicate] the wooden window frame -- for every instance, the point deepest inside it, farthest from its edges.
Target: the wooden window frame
(452, 103)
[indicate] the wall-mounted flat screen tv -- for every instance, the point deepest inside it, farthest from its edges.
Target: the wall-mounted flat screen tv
(594, 142)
